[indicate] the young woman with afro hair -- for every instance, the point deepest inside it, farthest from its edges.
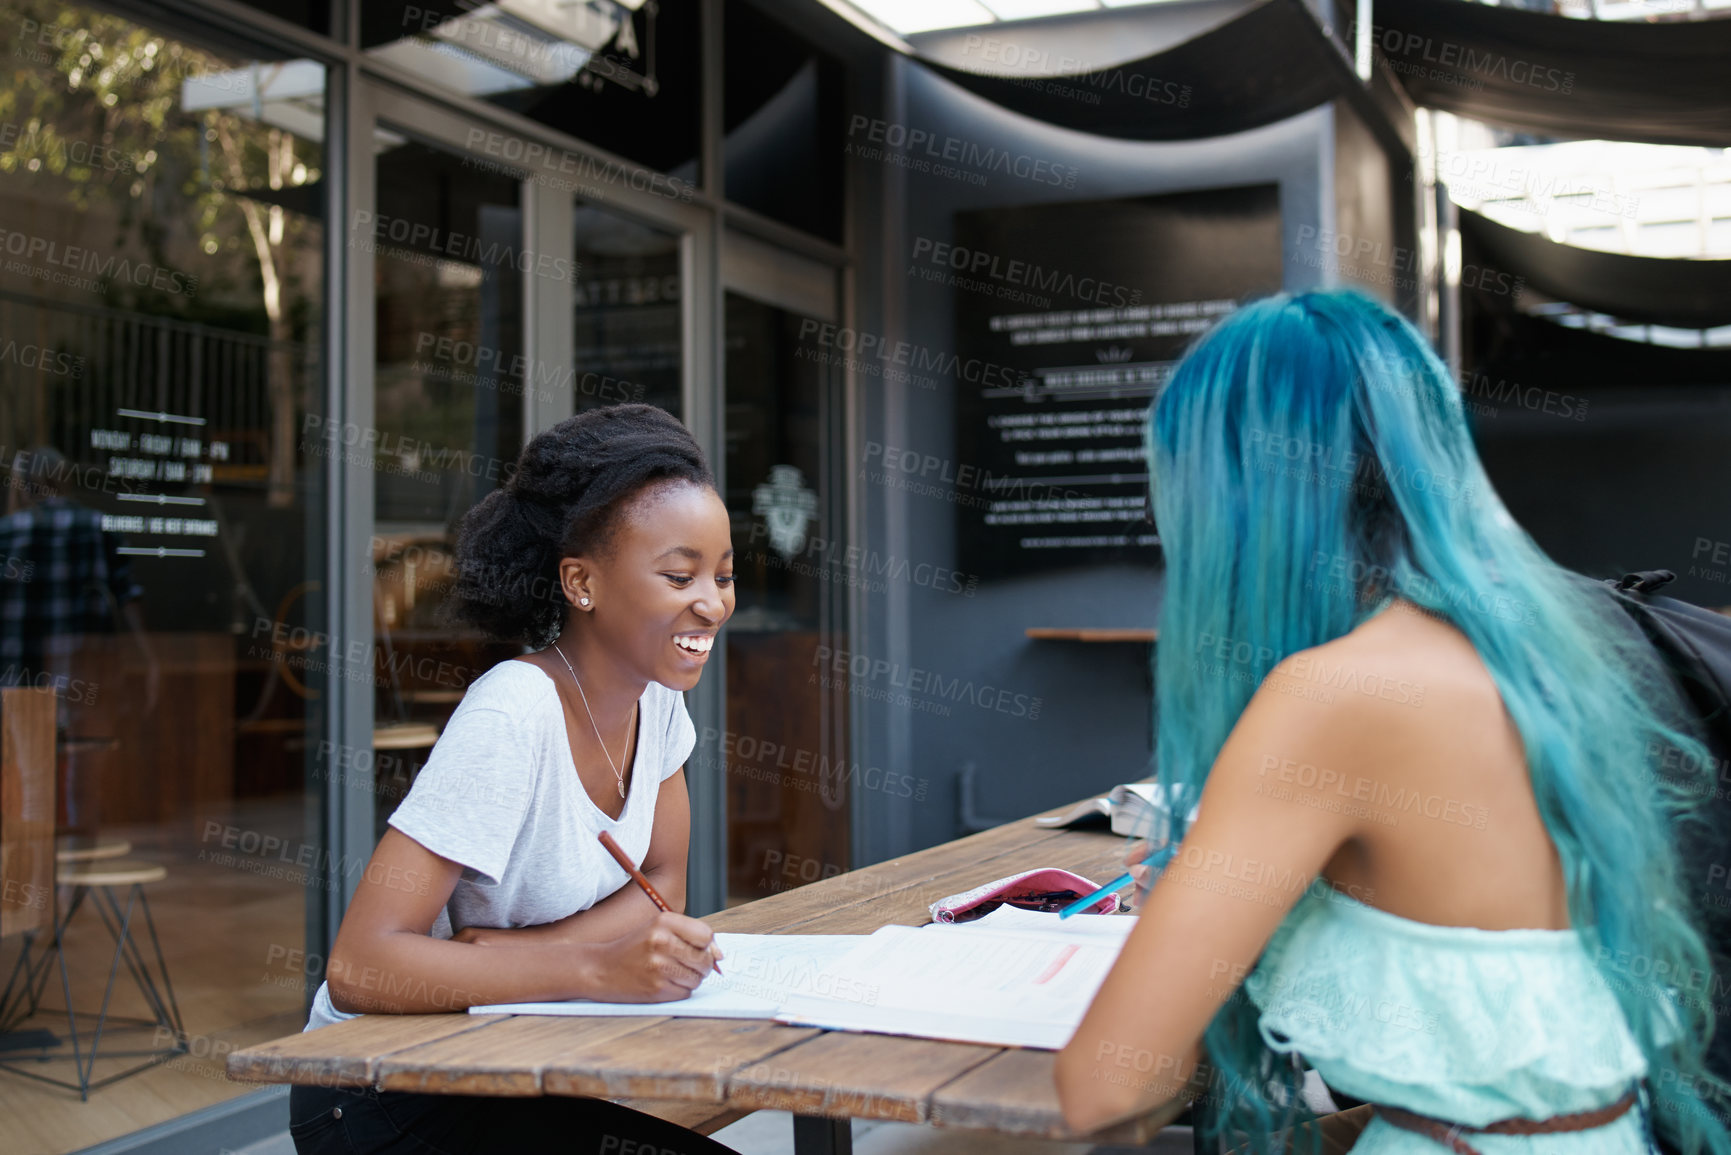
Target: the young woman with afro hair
(607, 555)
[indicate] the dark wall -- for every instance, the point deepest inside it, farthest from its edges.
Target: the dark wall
(1610, 452)
(951, 679)
(1640, 482)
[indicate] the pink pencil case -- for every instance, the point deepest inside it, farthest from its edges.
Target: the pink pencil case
(1031, 883)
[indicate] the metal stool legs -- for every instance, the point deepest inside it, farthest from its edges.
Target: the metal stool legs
(167, 1014)
(19, 997)
(164, 1008)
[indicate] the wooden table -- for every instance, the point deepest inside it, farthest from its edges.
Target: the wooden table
(705, 1073)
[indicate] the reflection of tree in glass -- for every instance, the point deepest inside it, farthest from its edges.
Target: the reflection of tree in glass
(95, 104)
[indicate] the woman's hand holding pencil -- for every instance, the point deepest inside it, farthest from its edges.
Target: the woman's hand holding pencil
(662, 960)
(708, 936)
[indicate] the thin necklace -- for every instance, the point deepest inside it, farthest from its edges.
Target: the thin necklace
(617, 773)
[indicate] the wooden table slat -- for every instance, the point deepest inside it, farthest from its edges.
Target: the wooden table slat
(855, 1076)
(346, 1054)
(682, 1059)
(506, 1059)
(1014, 1093)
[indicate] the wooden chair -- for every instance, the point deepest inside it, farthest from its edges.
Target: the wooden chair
(32, 866)
(27, 771)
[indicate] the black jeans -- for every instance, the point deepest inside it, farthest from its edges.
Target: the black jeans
(348, 1121)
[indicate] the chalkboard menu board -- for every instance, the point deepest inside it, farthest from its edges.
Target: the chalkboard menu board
(1078, 312)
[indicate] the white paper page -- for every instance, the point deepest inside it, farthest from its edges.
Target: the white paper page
(1076, 813)
(759, 973)
(1143, 790)
(1140, 810)
(965, 983)
(1109, 927)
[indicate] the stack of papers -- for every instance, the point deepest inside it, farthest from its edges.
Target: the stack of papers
(1138, 809)
(1013, 978)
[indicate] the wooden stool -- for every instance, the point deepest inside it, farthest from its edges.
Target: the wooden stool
(70, 849)
(396, 736)
(103, 877)
(405, 736)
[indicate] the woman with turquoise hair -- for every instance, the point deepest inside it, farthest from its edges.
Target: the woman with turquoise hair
(1434, 858)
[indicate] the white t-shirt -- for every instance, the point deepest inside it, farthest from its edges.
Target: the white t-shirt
(500, 795)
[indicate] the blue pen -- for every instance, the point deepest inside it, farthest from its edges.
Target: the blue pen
(1156, 860)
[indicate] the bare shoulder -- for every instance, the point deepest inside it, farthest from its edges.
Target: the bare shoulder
(1416, 747)
(1400, 697)
(1402, 658)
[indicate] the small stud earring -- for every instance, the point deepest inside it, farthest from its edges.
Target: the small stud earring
(582, 601)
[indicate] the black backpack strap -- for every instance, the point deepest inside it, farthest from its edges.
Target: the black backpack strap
(1645, 581)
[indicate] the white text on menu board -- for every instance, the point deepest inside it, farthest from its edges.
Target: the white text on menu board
(170, 459)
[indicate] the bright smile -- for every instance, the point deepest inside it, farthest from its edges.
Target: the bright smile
(697, 645)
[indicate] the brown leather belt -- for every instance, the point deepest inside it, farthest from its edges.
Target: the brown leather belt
(1449, 1134)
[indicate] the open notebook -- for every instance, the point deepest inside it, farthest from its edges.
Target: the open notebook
(762, 971)
(1013, 978)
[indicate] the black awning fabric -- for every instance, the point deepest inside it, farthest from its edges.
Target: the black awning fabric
(1508, 346)
(1664, 83)
(1650, 290)
(1271, 62)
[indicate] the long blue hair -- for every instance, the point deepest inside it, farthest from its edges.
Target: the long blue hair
(1310, 458)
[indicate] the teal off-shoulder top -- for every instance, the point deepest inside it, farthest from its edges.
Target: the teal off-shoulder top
(1461, 1024)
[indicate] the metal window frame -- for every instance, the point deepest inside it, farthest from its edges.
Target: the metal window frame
(364, 90)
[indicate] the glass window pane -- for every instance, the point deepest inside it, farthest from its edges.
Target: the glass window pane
(627, 332)
(447, 243)
(626, 76)
(783, 119)
(161, 295)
